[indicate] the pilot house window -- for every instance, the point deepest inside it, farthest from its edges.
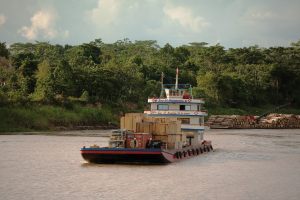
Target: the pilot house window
(162, 107)
(184, 107)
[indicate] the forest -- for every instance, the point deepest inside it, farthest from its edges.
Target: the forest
(96, 81)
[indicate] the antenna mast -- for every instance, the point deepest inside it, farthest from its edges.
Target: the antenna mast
(162, 85)
(176, 84)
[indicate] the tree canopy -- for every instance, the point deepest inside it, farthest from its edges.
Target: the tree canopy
(128, 72)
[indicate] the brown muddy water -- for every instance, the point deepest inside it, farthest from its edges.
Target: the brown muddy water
(246, 164)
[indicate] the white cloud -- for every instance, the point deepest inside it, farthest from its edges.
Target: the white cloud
(42, 23)
(2, 20)
(117, 19)
(106, 11)
(185, 17)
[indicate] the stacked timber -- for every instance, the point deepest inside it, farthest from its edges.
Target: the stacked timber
(220, 121)
(273, 120)
(244, 121)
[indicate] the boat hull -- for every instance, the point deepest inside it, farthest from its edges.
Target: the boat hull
(141, 156)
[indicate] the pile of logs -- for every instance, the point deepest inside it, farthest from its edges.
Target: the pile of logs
(273, 120)
(221, 121)
(282, 120)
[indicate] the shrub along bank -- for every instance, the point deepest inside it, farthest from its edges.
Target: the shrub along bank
(49, 117)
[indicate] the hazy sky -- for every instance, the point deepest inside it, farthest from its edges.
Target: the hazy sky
(232, 23)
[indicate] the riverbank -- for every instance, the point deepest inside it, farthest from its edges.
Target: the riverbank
(45, 118)
(53, 118)
(80, 133)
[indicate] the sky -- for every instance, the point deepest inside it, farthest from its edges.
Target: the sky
(232, 23)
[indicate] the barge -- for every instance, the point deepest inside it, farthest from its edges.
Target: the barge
(172, 130)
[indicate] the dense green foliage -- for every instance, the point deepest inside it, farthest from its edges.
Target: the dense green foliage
(123, 74)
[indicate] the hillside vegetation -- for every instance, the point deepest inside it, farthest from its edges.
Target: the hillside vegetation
(39, 79)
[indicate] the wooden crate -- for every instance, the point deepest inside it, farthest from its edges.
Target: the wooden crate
(145, 127)
(130, 120)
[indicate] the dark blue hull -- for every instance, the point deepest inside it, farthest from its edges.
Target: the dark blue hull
(141, 156)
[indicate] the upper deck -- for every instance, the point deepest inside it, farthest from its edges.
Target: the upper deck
(176, 102)
(176, 93)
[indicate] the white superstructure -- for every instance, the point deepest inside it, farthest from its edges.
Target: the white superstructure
(179, 103)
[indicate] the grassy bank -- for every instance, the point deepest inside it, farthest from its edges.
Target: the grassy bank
(45, 117)
(49, 117)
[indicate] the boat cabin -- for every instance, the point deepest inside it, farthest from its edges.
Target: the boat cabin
(177, 101)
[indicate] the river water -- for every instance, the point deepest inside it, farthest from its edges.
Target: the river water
(246, 164)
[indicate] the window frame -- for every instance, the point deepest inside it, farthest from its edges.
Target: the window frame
(162, 107)
(185, 107)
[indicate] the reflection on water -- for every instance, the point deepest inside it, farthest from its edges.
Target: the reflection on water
(246, 164)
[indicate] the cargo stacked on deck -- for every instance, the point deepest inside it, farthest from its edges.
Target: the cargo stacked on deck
(168, 130)
(130, 120)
